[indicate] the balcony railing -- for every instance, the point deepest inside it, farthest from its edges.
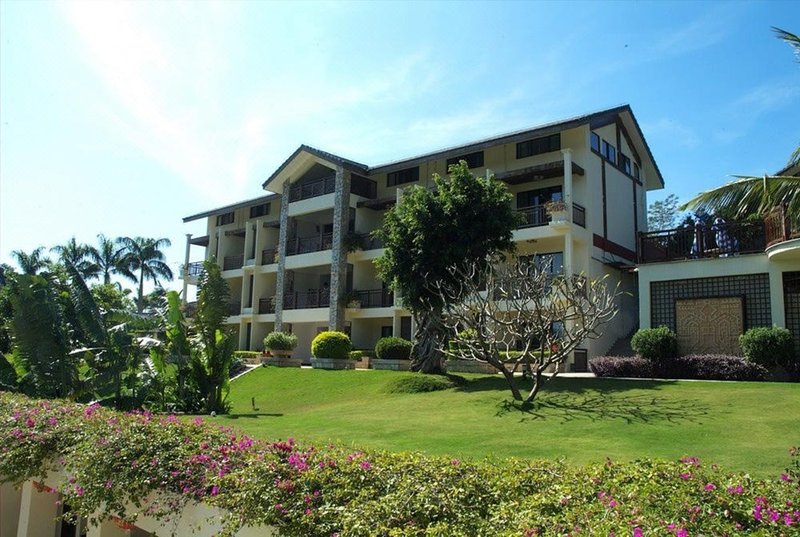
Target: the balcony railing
(304, 245)
(375, 298)
(579, 215)
(268, 256)
(533, 216)
(311, 298)
(779, 227)
(312, 189)
(234, 308)
(193, 270)
(719, 240)
(233, 262)
(361, 186)
(266, 305)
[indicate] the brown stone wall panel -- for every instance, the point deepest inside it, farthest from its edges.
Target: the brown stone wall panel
(709, 325)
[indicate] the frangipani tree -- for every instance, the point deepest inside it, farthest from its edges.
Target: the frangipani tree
(492, 309)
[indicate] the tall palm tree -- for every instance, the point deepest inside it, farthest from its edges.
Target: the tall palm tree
(144, 255)
(110, 260)
(794, 41)
(30, 263)
(77, 255)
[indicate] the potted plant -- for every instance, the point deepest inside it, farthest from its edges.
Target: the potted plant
(393, 353)
(557, 210)
(280, 344)
(331, 350)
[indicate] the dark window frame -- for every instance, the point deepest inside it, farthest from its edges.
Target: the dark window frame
(594, 141)
(609, 151)
(256, 210)
(225, 219)
(625, 163)
(539, 146)
(473, 160)
(401, 177)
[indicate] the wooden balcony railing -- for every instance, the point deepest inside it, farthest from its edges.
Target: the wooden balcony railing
(233, 262)
(718, 240)
(375, 298)
(312, 189)
(310, 298)
(779, 227)
(304, 245)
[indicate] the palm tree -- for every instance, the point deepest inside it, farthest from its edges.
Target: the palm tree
(794, 41)
(110, 260)
(30, 263)
(144, 255)
(77, 255)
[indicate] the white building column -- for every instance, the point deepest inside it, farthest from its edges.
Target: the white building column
(567, 152)
(10, 503)
(38, 512)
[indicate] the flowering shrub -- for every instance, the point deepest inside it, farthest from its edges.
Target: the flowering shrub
(109, 459)
(617, 366)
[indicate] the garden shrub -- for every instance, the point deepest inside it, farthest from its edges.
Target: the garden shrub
(237, 366)
(393, 348)
(331, 344)
(419, 383)
(112, 461)
(357, 355)
(618, 366)
(280, 341)
(768, 346)
(719, 367)
(655, 344)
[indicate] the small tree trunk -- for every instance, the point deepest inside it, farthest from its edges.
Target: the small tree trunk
(140, 301)
(512, 385)
(428, 357)
(537, 385)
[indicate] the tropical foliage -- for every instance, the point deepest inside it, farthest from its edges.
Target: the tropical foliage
(110, 461)
(143, 256)
(463, 219)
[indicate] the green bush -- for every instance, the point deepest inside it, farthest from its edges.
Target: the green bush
(457, 343)
(357, 355)
(419, 383)
(246, 354)
(655, 344)
(331, 344)
(280, 341)
(768, 346)
(393, 348)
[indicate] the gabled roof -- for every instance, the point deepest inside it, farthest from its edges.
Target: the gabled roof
(232, 207)
(324, 155)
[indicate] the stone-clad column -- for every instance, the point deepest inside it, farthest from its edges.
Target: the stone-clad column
(283, 237)
(341, 216)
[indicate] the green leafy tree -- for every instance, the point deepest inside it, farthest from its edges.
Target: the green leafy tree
(143, 257)
(214, 345)
(31, 263)
(464, 219)
(110, 260)
(663, 214)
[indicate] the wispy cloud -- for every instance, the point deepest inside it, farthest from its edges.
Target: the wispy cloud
(672, 130)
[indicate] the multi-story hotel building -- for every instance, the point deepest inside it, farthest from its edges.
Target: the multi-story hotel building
(301, 259)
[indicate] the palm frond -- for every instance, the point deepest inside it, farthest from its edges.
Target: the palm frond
(792, 39)
(749, 195)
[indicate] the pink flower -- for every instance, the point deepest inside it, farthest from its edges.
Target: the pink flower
(366, 465)
(681, 533)
(785, 477)
(214, 490)
(685, 476)
(737, 489)
(79, 491)
(709, 487)
(637, 532)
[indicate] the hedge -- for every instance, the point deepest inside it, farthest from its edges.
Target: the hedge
(331, 344)
(702, 367)
(280, 341)
(110, 460)
(393, 348)
(769, 346)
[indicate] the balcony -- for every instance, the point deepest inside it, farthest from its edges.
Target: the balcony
(304, 245)
(268, 256)
(537, 216)
(234, 308)
(361, 186)
(192, 271)
(313, 189)
(719, 240)
(233, 262)
(266, 305)
(374, 298)
(782, 234)
(311, 298)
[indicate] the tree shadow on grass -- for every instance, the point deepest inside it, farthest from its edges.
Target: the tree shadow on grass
(252, 415)
(631, 408)
(563, 385)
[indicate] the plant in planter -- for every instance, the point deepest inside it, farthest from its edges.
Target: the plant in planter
(392, 353)
(351, 299)
(557, 210)
(331, 350)
(280, 343)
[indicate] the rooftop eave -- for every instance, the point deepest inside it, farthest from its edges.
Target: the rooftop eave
(302, 160)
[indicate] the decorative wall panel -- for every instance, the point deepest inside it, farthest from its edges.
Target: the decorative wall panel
(709, 325)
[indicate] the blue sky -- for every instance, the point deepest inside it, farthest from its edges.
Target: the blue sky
(123, 117)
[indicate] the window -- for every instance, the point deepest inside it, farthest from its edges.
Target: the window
(636, 170)
(537, 146)
(625, 163)
(595, 141)
(259, 210)
(609, 151)
(386, 331)
(409, 175)
(533, 198)
(474, 160)
(223, 219)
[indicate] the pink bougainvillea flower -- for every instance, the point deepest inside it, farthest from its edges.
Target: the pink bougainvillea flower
(709, 487)
(637, 532)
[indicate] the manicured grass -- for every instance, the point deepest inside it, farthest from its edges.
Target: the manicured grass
(741, 426)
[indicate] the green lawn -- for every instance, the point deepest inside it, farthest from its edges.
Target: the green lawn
(741, 426)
